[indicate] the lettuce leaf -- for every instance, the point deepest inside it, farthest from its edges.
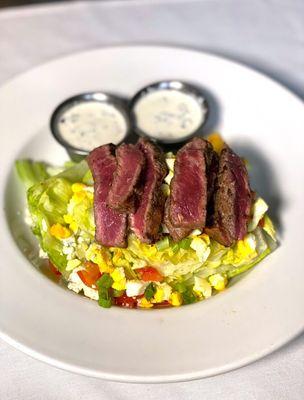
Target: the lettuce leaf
(48, 203)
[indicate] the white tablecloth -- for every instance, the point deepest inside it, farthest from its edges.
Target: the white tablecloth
(268, 35)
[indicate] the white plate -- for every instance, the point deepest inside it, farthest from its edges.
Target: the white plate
(261, 312)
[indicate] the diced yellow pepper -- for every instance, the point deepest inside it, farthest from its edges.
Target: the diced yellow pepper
(59, 231)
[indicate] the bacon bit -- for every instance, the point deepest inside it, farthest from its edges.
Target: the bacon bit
(262, 222)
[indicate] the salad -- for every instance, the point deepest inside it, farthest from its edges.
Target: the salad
(140, 275)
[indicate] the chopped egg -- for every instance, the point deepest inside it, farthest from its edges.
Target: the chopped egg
(201, 248)
(170, 163)
(72, 264)
(202, 287)
(169, 177)
(135, 287)
(76, 284)
(218, 281)
(258, 210)
(163, 292)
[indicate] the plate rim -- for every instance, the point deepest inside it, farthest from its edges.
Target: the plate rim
(138, 378)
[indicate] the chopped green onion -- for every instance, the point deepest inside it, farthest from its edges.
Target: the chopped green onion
(150, 291)
(175, 247)
(189, 297)
(88, 178)
(105, 303)
(185, 243)
(180, 287)
(163, 244)
(105, 281)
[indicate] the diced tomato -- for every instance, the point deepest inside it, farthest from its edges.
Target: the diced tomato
(54, 269)
(150, 274)
(262, 222)
(125, 301)
(90, 274)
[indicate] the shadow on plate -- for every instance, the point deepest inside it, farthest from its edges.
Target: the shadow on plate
(263, 179)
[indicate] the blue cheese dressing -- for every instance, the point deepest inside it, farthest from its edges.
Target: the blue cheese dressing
(169, 114)
(89, 124)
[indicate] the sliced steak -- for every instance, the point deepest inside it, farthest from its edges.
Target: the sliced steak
(130, 161)
(188, 188)
(177, 234)
(146, 220)
(111, 225)
(232, 200)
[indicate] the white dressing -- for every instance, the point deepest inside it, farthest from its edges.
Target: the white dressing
(169, 114)
(90, 124)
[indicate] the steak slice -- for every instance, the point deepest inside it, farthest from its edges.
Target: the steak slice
(188, 188)
(111, 225)
(146, 220)
(177, 234)
(130, 161)
(232, 200)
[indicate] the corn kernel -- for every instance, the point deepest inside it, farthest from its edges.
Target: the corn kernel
(119, 285)
(77, 187)
(176, 299)
(118, 276)
(159, 295)
(59, 231)
(144, 303)
(90, 195)
(217, 142)
(74, 226)
(68, 218)
(78, 197)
